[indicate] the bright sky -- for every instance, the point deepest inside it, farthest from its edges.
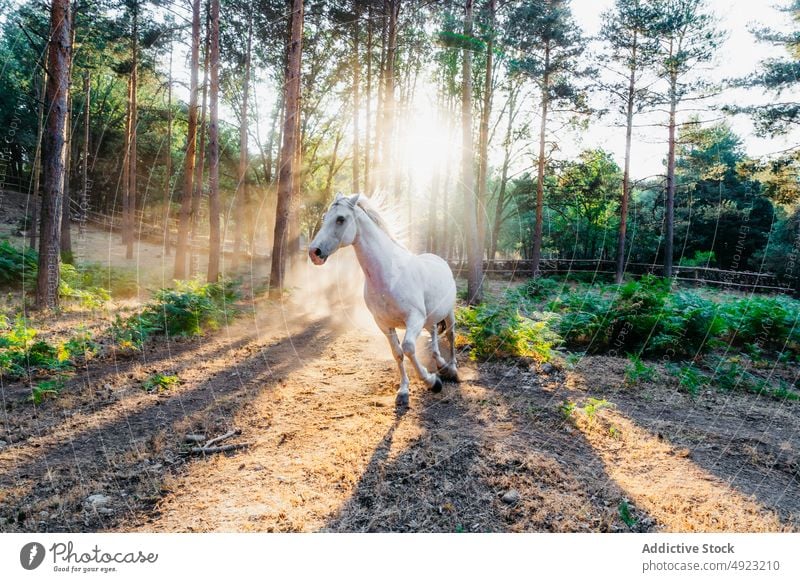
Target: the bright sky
(738, 57)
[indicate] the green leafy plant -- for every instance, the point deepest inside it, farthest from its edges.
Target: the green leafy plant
(22, 354)
(700, 259)
(502, 331)
(189, 309)
(689, 378)
(16, 264)
(160, 382)
(46, 389)
(637, 371)
(625, 514)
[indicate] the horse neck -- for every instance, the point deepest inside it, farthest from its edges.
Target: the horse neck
(374, 249)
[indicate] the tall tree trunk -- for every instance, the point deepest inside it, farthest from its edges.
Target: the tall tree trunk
(200, 160)
(483, 144)
(37, 160)
(286, 173)
(356, 100)
(213, 154)
(60, 57)
(132, 196)
(474, 254)
(126, 166)
(626, 178)
(168, 172)
(368, 103)
(242, 198)
(66, 221)
(670, 209)
(536, 252)
(389, 104)
(501, 195)
(191, 142)
(87, 105)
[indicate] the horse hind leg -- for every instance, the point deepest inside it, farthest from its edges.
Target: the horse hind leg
(413, 329)
(445, 371)
(449, 371)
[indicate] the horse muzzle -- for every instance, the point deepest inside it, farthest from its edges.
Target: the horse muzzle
(316, 256)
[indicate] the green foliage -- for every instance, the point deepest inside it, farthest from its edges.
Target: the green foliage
(22, 354)
(644, 317)
(189, 309)
(700, 259)
(500, 330)
(689, 378)
(16, 263)
(160, 382)
(625, 514)
(538, 287)
(102, 280)
(764, 322)
(637, 371)
(45, 389)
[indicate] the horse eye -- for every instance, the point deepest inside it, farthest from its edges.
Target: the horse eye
(340, 220)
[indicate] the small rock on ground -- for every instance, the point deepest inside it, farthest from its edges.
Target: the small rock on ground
(511, 497)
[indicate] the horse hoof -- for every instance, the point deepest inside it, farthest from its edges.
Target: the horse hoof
(402, 399)
(437, 385)
(449, 373)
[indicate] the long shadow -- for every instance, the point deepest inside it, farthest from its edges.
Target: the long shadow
(126, 457)
(730, 437)
(467, 461)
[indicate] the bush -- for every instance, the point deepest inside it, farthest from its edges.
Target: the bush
(16, 263)
(22, 354)
(502, 331)
(645, 317)
(700, 259)
(189, 309)
(118, 282)
(764, 323)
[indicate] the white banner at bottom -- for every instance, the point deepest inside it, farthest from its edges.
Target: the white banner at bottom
(407, 557)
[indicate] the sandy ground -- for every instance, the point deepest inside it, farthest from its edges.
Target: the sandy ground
(310, 384)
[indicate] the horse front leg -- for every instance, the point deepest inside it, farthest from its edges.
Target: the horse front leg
(413, 329)
(397, 352)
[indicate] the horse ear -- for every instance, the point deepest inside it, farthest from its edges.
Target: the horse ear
(353, 200)
(338, 197)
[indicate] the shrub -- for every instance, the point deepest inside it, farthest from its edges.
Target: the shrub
(46, 388)
(22, 354)
(700, 259)
(637, 371)
(764, 322)
(160, 382)
(502, 331)
(584, 318)
(189, 309)
(16, 263)
(644, 317)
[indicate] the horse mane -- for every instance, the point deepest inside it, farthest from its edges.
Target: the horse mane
(374, 208)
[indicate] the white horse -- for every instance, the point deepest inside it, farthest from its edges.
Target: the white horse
(401, 290)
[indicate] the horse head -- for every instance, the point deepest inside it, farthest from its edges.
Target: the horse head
(339, 229)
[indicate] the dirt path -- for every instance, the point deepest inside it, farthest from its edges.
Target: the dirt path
(314, 398)
(328, 451)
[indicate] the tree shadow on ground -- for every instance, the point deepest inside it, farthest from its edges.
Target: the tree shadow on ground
(472, 460)
(125, 455)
